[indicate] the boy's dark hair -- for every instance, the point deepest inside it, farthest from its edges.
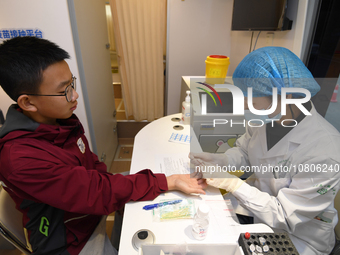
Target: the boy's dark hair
(22, 62)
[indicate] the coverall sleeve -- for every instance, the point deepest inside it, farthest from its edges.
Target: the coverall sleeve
(75, 188)
(307, 195)
(100, 166)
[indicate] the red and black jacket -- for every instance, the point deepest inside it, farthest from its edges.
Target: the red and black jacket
(60, 185)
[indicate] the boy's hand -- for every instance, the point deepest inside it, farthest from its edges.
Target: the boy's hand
(186, 184)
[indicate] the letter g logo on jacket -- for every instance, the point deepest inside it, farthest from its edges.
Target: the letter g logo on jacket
(44, 223)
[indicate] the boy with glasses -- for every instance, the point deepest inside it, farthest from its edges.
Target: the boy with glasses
(45, 161)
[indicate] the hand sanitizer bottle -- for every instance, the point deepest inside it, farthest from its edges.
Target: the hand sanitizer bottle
(201, 222)
(186, 109)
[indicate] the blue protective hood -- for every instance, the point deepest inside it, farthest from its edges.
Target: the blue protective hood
(270, 67)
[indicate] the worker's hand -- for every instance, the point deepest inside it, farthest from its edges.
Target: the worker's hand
(230, 183)
(186, 184)
(206, 162)
(199, 159)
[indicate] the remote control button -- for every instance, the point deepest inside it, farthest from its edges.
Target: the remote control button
(262, 240)
(265, 248)
(258, 248)
(252, 248)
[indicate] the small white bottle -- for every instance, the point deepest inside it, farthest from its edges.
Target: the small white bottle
(201, 222)
(186, 111)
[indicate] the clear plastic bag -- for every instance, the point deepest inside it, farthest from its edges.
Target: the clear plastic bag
(183, 210)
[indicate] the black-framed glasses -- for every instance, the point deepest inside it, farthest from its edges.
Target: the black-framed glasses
(68, 91)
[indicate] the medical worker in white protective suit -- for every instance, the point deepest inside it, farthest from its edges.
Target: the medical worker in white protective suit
(299, 201)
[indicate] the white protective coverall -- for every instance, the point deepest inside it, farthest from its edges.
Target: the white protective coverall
(291, 201)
